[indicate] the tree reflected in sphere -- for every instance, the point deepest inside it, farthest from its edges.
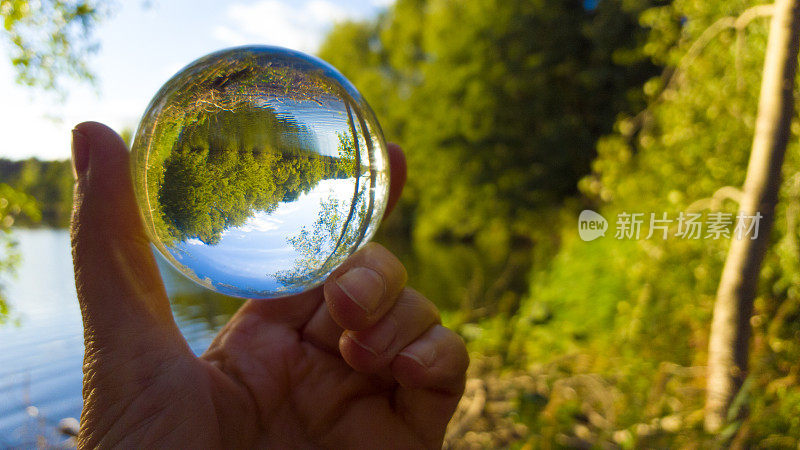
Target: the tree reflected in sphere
(258, 170)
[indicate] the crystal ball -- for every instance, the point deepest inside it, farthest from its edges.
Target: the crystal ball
(258, 170)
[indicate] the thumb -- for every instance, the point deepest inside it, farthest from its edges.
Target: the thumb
(120, 291)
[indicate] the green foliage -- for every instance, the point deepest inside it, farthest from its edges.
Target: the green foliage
(637, 312)
(599, 300)
(498, 104)
(227, 165)
(13, 205)
(50, 40)
(49, 183)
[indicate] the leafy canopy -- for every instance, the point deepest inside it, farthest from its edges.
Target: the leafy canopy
(50, 40)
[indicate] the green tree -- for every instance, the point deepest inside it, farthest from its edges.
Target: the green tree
(49, 182)
(13, 205)
(728, 350)
(498, 103)
(229, 164)
(646, 328)
(50, 40)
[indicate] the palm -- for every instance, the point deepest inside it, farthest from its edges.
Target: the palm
(304, 392)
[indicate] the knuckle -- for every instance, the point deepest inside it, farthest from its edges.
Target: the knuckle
(419, 306)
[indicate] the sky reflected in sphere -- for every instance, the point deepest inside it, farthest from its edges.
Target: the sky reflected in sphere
(259, 170)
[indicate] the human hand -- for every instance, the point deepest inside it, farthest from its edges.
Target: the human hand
(320, 369)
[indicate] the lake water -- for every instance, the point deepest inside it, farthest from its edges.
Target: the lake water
(41, 345)
(41, 341)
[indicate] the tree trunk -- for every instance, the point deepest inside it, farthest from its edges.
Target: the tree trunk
(730, 328)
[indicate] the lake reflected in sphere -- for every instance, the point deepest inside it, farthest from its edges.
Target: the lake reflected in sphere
(259, 170)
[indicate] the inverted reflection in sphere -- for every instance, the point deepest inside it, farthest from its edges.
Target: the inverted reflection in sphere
(258, 170)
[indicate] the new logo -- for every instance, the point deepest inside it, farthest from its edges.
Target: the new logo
(591, 225)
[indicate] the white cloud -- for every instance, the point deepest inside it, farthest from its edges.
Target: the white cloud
(287, 209)
(297, 25)
(229, 36)
(382, 3)
(261, 222)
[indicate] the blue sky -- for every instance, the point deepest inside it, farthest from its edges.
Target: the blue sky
(142, 46)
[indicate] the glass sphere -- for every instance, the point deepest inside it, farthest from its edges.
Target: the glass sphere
(258, 170)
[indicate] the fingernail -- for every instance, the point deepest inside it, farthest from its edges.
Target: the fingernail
(363, 345)
(364, 286)
(80, 153)
(423, 358)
